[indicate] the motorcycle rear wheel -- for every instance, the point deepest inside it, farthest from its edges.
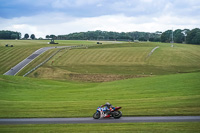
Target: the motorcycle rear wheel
(117, 114)
(96, 115)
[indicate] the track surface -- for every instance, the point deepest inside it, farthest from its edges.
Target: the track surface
(22, 64)
(103, 120)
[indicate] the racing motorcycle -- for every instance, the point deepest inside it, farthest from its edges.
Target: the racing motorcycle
(105, 113)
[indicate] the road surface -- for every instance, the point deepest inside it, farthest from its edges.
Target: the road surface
(14, 70)
(103, 120)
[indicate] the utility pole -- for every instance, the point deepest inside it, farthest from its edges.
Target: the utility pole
(185, 34)
(172, 36)
(172, 39)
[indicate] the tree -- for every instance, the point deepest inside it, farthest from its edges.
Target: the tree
(32, 36)
(166, 36)
(14, 36)
(193, 36)
(10, 35)
(52, 36)
(26, 36)
(178, 36)
(142, 39)
(196, 39)
(185, 32)
(47, 36)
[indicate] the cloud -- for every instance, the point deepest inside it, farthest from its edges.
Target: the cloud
(67, 16)
(93, 8)
(63, 24)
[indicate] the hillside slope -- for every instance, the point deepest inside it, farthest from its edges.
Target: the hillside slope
(161, 95)
(121, 61)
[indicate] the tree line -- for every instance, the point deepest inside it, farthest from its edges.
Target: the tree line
(177, 36)
(182, 36)
(10, 35)
(6, 34)
(110, 35)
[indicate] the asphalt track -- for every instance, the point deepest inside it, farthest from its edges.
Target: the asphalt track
(14, 70)
(103, 120)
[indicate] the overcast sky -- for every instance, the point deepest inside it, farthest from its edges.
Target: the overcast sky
(44, 17)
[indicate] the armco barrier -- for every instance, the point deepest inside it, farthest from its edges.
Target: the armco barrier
(42, 63)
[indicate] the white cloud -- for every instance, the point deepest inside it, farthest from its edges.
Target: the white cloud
(25, 28)
(60, 23)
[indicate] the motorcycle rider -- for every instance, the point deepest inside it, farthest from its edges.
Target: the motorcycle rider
(109, 107)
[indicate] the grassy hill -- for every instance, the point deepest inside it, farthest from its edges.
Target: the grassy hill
(121, 61)
(153, 95)
(101, 63)
(161, 95)
(10, 56)
(170, 87)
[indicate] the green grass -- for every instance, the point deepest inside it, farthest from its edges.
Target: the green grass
(161, 95)
(177, 94)
(113, 61)
(10, 56)
(182, 58)
(44, 43)
(123, 59)
(182, 127)
(110, 59)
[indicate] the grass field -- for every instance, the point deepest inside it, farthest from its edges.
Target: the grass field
(170, 87)
(152, 96)
(122, 60)
(102, 62)
(182, 127)
(156, 95)
(10, 56)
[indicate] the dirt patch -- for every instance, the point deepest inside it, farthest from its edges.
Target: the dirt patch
(60, 74)
(101, 77)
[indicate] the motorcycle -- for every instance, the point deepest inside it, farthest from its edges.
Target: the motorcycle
(105, 113)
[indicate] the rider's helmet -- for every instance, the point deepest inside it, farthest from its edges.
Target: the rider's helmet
(107, 103)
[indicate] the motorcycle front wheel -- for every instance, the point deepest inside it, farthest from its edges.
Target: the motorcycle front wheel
(96, 115)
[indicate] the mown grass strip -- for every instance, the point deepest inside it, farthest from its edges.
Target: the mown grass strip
(181, 127)
(13, 56)
(127, 59)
